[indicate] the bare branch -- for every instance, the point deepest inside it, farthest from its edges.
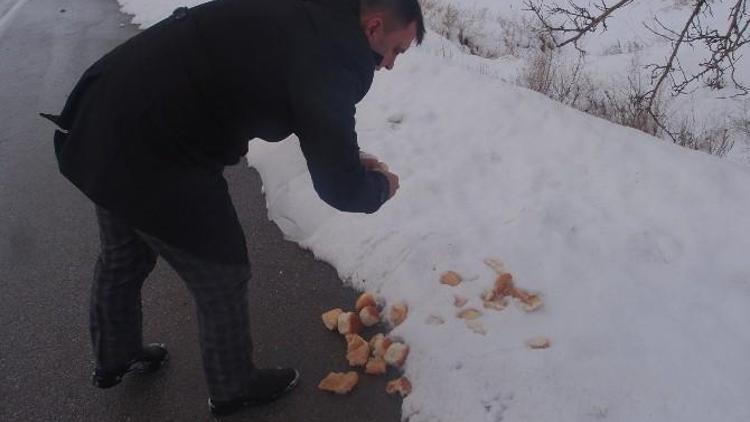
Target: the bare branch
(668, 67)
(579, 19)
(714, 70)
(723, 48)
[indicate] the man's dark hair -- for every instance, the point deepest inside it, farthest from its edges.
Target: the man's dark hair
(404, 11)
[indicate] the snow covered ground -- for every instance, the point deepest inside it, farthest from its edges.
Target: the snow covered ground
(505, 32)
(639, 249)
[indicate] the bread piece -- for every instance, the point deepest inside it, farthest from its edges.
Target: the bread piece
(451, 278)
(331, 318)
(531, 301)
(538, 343)
(339, 383)
(495, 264)
(534, 304)
(497, 305)
(504, 285)
(369, 316)
(488, 295)
(401, 386)
(357, 350)
(476, 326)
(379, 344)
(469, 314)
(521, 295)
(365, 300)
(398, 313)
(396, 354)
(349, 323)
(375, 366)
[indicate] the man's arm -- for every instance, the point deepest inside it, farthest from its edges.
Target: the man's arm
(323, 108)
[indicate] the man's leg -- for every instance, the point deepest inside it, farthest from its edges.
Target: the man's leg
(124, 263)
(220, 293)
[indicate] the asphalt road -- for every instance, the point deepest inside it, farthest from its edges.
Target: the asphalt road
(48, 246)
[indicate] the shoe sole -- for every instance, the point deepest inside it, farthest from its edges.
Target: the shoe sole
(138, 368)
(252, 403)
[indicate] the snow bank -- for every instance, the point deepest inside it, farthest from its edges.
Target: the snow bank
(639, 248)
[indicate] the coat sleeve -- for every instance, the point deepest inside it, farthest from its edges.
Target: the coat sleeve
(323, 107)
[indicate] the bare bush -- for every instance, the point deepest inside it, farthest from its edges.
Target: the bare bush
(539, 72)
(723, 47)
(740, 125)
(546, 73)
(569, 84)
(467, 27)
(716, 141)
(625, 105)
(715, 71)
(577, 20)
(637, 104)
(456, 25)
(623, 48)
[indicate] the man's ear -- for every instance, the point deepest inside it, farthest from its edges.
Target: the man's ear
(372, 23)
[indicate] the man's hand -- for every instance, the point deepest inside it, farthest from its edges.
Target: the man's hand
(392, 182)
(371, 162)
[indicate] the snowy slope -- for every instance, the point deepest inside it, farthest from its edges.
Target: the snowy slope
(504, 31)
(638, 247)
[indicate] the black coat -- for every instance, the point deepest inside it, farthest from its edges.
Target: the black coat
(153, 123)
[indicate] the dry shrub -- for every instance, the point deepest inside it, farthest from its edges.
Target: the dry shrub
(740, 123)
(546, 72)
(478, 34)
(627, 48)
(569, 84)
(628, 106)
(715, 141)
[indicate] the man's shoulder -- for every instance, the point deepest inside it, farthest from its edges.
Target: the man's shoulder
(336, 42)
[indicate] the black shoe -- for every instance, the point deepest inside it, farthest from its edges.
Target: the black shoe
(269, 385)
(150, 359)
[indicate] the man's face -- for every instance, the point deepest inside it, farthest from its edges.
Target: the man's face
(389, 43)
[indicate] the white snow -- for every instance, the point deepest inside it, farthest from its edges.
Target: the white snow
(503, 29)
(638, 247)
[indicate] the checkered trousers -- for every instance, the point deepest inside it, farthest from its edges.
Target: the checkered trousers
(220, 292)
